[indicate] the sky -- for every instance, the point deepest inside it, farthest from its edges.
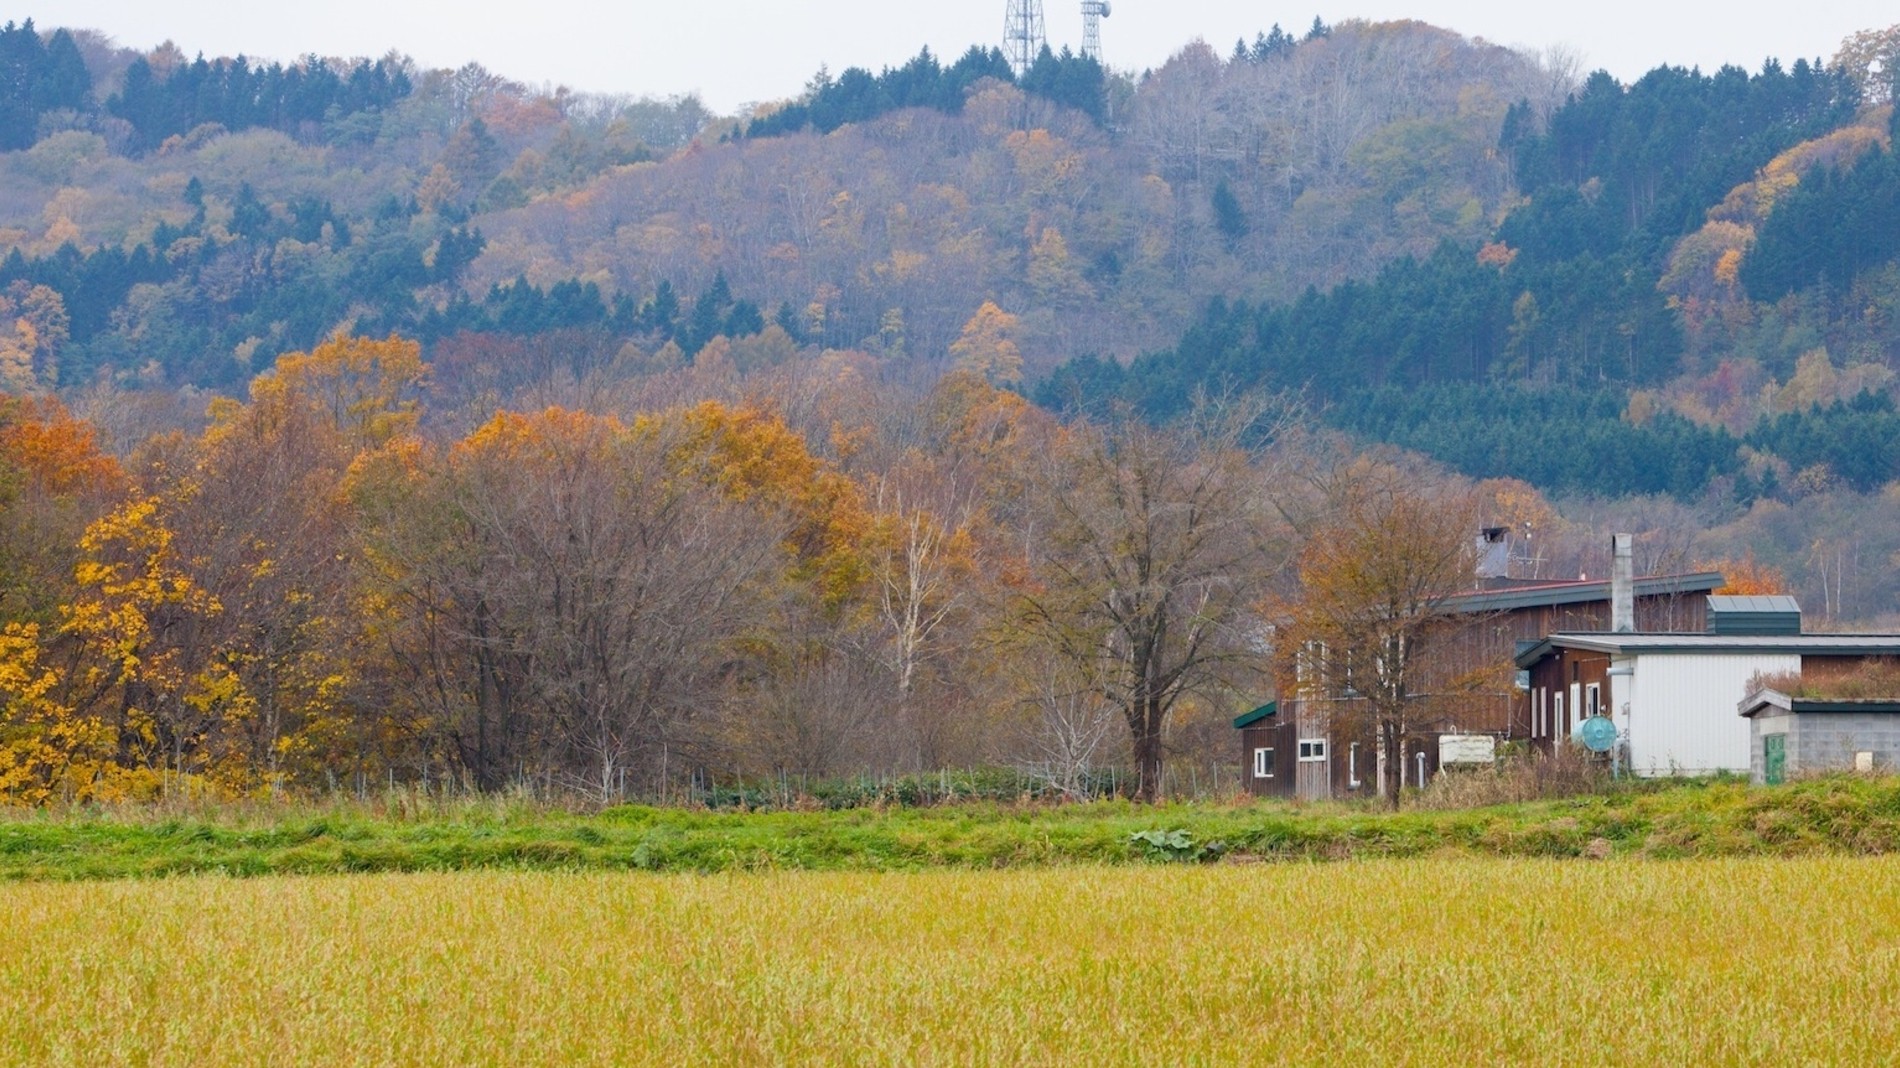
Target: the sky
(734, 52)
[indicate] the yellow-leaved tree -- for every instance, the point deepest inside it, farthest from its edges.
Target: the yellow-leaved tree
(268, 533)
(987, 347)
(40, 739)
(125, 694)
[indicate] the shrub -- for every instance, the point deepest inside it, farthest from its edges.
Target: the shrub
(1871, 680)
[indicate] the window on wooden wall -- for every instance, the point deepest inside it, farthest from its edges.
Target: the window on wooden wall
(1312, 749)
(1263, 763)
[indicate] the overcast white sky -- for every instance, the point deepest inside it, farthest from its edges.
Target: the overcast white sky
(737, 51)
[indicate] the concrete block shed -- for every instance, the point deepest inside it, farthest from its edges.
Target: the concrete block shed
(1792, 735)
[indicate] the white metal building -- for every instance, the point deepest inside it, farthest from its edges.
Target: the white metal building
(1672, 696)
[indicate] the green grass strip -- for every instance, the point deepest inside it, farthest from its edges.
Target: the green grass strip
(1828, 816)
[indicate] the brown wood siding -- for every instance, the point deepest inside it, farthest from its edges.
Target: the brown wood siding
(1276, 733)
(1367, 767)
(1470, 664)
(1555, 675)
(1343, 724)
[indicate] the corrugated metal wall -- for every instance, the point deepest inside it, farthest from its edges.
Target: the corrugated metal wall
(1682, 713)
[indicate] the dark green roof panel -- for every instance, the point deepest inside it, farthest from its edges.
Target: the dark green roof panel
(1759, 616)
(1271, 708)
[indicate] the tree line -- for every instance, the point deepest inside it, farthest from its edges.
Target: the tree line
(37, 75)
(294, 99)
(326, 586)
(857, 95)
(318, 590)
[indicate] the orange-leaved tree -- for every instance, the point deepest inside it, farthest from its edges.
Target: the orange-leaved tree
(568, 592)
(1746, 576)
(1380, 564)
(54, 480)
(262, 516)
(752, 456)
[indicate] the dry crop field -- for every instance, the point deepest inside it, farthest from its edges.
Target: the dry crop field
(1455, 961)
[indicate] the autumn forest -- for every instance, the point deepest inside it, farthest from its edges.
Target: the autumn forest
(365, 423)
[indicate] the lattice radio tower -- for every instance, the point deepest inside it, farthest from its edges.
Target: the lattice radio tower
(1093, 12)
(1023, 38)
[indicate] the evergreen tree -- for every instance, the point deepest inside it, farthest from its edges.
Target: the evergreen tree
(250, 217)
(1229, 219)
(64, 81)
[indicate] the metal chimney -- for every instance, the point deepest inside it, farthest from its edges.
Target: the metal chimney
(1622, 584)
(1494, 553)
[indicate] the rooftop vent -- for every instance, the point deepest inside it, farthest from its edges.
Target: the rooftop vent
(1754, 616)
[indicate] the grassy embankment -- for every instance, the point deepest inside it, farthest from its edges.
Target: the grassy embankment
(406, 834)
(1423, 961)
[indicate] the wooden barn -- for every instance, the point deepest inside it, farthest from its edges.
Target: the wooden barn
(1469, 692)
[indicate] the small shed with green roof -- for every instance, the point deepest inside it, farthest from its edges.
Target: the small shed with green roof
(1267, 751)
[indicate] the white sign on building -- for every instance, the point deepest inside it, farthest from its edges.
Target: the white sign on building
(1456, 749)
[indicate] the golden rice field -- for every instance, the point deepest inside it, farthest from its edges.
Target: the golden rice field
(1440, 961)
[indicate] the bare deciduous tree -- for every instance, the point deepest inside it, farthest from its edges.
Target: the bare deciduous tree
(577, 588)
(1148, 568)
(1070, 731)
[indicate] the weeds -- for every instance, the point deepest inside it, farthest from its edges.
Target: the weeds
(1871, 680)
(1530, 776)
(1838, 814)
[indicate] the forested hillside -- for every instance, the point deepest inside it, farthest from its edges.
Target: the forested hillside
(196, 221)
(1567, 298)
(1690, 295)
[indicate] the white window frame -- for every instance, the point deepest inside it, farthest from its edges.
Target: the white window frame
(1312, 750)
(1263, 762)
(1557, 711)
(1593, 699)
(1352, 766)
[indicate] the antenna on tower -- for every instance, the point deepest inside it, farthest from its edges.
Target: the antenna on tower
(1093, 12)
(1023, 38)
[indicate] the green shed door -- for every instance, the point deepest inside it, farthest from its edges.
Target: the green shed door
(1774, 758)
